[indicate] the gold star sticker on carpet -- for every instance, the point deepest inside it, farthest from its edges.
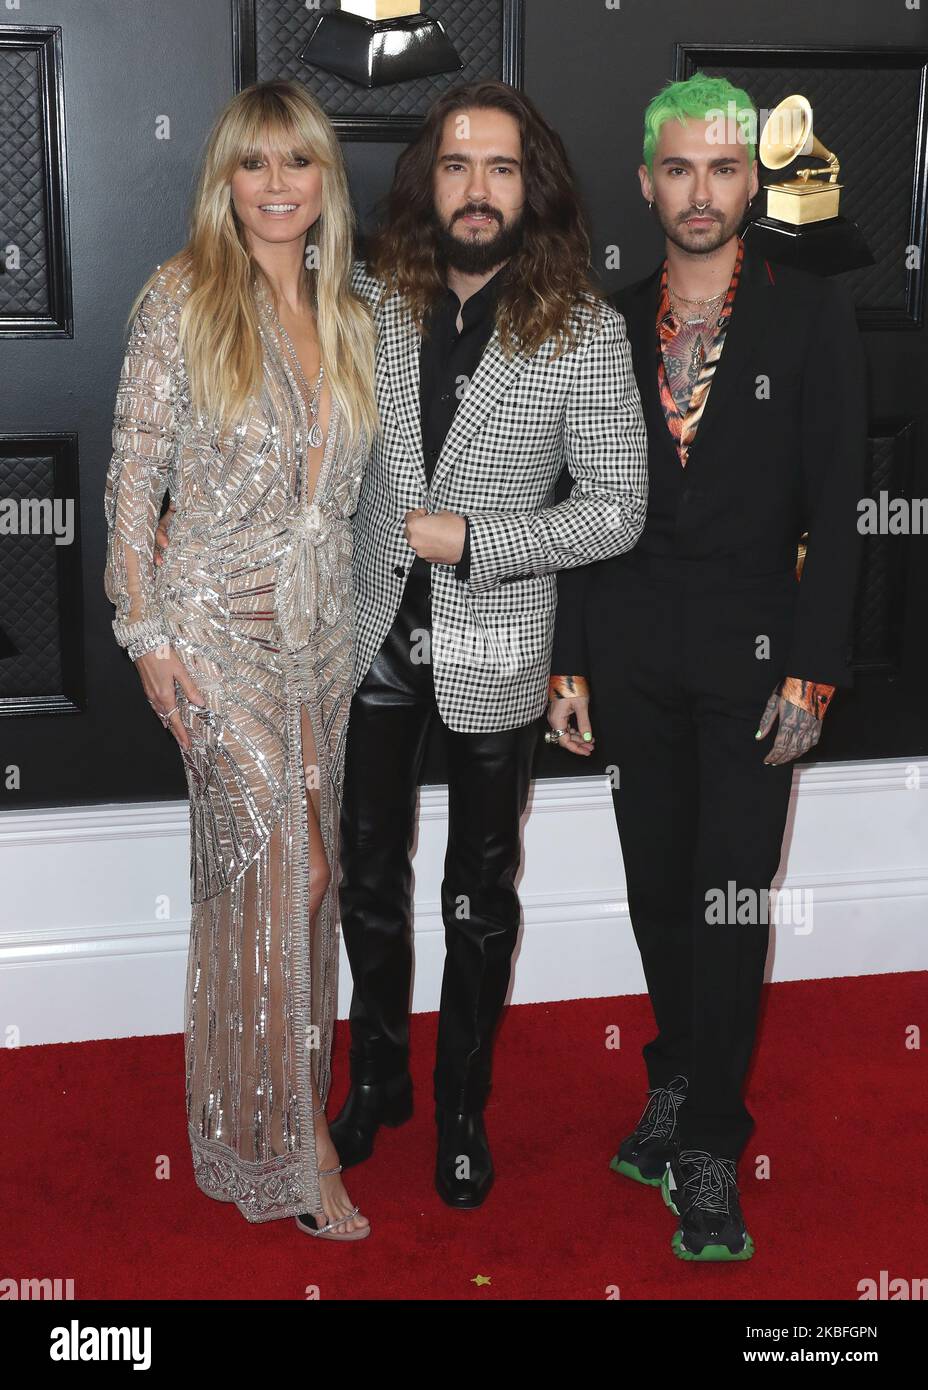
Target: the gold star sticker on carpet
(480, 1279)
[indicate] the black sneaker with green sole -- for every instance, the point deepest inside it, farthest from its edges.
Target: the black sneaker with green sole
(702, 1189)
(644, 1155)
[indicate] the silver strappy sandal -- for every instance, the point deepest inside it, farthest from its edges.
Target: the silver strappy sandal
(328, 1232)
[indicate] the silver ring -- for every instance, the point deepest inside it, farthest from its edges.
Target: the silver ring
(554, 735)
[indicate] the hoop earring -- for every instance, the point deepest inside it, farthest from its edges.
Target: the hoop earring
(650, 206)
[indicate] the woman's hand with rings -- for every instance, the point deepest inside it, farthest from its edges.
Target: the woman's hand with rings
(161, 671)
(559, 711)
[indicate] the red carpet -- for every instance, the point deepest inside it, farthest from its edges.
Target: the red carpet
(839, 1100)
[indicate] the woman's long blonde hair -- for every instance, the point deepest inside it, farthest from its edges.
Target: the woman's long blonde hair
(219, 323)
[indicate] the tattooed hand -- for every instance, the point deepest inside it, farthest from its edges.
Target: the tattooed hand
(797, 733)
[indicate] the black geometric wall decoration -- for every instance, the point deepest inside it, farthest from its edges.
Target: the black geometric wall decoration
(40, 579)
(268, 36)
(881, 589)
(871, 108)
(35, 294)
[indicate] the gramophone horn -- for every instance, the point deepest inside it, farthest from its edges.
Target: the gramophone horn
(786, 134)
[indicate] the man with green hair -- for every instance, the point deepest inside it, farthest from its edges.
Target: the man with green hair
(708, 666)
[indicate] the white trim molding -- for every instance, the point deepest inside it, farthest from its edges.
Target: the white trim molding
(94, 926)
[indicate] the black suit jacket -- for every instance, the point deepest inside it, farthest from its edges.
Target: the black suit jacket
(780, 450)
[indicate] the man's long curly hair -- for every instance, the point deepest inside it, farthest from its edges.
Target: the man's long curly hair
(547, 275)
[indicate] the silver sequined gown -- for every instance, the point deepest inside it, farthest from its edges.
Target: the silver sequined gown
(255, 596)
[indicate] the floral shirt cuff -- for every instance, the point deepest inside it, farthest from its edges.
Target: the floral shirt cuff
(813, 696)
(563, 687)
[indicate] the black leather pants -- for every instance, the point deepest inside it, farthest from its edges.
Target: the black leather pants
(488, 780)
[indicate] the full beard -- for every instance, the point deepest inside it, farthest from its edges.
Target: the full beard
(478, 255)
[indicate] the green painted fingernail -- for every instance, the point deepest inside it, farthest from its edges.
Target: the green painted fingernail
(587, 737)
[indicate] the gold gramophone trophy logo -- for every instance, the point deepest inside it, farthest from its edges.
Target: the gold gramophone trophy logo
(803, 225)
(382, 9)
(373, 42)
(788, 134)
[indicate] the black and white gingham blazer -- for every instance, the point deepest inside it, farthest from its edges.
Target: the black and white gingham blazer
(517, 424)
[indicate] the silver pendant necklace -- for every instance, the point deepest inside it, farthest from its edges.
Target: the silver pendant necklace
(315, 429)
(314, 436)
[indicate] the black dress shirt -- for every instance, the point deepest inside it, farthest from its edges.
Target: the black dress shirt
(447, 362)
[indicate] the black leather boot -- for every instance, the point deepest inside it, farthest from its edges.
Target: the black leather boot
(461, 1135)
(368, 1106)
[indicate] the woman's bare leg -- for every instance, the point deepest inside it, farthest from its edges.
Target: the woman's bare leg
(335, 1200)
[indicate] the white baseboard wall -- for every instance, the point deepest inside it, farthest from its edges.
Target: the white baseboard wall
(94, 911)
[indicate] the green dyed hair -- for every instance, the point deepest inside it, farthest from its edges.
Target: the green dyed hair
(698, 98)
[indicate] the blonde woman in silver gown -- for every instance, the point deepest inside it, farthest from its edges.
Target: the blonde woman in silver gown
(243, 634)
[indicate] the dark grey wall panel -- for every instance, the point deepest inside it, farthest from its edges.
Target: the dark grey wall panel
(592, 69)
(124, 64)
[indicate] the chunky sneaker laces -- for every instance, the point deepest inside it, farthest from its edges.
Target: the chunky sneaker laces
(702, 1190)
(708, 1182)
(659, 1118)
(644, 1155)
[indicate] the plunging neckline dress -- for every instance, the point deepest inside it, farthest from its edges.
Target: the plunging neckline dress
(255, 595)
